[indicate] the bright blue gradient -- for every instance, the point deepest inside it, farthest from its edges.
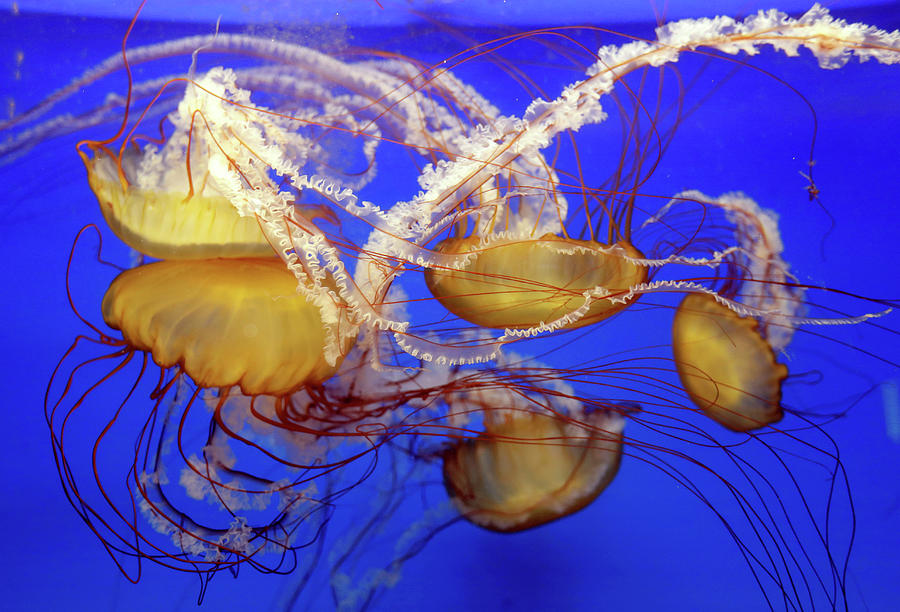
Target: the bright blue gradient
(645, 542)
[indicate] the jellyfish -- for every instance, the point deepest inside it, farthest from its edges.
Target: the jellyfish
(726, 367)
(520, 284)
(384, 306)
(744, 392)
(224, 322)
(530, 468)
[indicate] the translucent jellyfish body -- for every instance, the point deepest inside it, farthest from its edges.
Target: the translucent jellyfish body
(522, 284)
(527, 469)
(728, 370)
(224, 321)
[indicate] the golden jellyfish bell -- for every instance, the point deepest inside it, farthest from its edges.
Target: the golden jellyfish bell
(164, 222)
(528, 469)
(225, 321)
(524, 283)
(726, 367)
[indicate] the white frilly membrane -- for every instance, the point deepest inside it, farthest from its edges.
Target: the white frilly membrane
(252, 515)
(248, 151)
(768, 290)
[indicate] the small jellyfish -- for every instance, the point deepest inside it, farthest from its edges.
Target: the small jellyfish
(727, 368)
(528, 469)
(524, 283)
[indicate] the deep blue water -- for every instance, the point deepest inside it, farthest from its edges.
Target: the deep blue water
(646, 543)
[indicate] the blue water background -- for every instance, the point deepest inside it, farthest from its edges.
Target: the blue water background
(645, 544)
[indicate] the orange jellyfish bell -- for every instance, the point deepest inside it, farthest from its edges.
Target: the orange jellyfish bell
(225, 321)
(528, 469)
(726, 367)
(523, 283)
(163, 221)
